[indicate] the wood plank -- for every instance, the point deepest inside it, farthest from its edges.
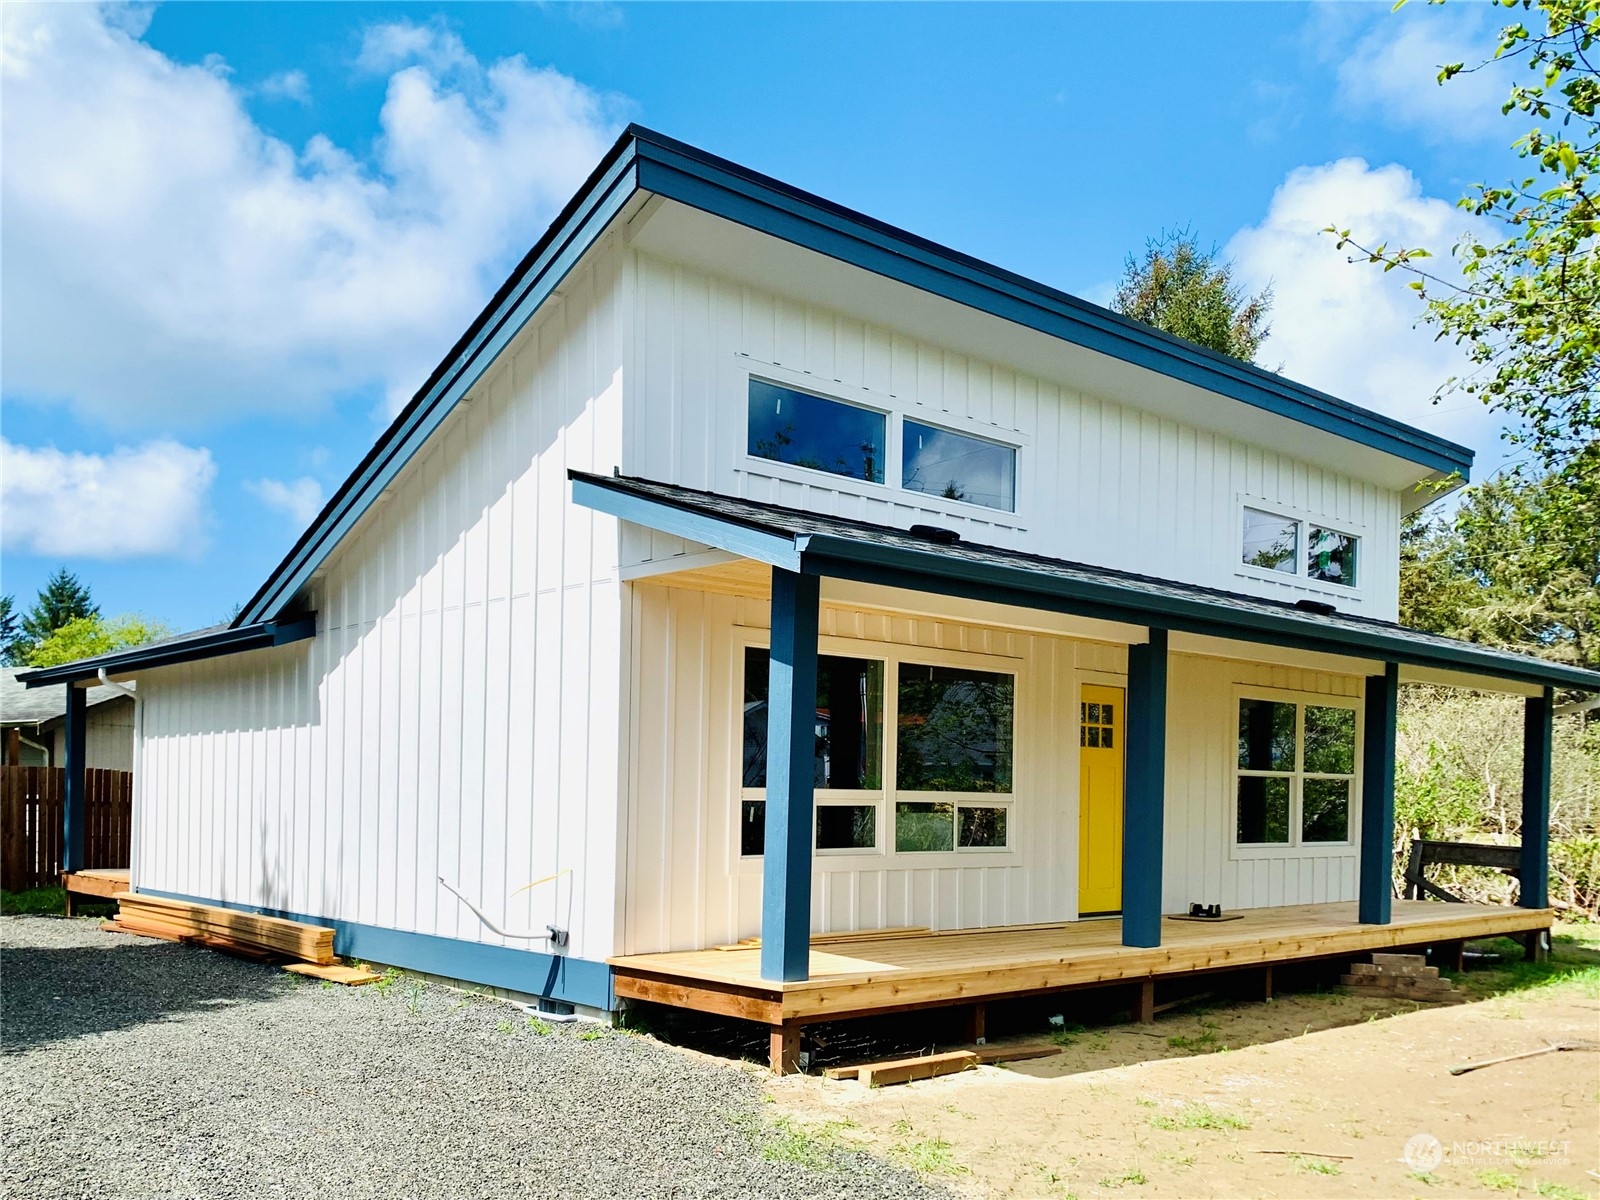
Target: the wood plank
(924, 1066)
(724, 1000)
(349, 976)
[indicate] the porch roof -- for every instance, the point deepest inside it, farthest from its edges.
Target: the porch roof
(813, 544)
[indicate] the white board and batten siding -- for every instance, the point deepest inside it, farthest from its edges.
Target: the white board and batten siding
(685, 885)
(1097, 482)
(458, 712)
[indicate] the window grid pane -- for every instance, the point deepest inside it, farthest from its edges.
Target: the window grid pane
(817, 433)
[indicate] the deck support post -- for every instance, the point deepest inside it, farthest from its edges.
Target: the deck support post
(1144, 791)
(976, 1023)
(1533, 871)
(791, 755)
(783, 1044)
(1375, 889)
(73, 814)
(1144, 1002)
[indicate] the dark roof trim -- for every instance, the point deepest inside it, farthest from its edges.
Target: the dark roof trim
(642, 160)
(210, 643)
(873, 554)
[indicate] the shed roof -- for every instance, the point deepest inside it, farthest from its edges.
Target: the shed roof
(21, 705)
(812, 543)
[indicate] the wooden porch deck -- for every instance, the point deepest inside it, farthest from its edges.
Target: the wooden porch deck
(884, 973)
(100, 882)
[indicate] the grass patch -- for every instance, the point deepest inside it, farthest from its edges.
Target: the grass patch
(1574, 961)
(1066, 1034)
(1557, 1191)
(924, 1156)
(595, 1034)
(35, 902)
(537, 1026)
(1316, 1166)
(1199, 1116)
(1132, 1176)
(786, 1140)
(1500, 1181)
(1425, 1177)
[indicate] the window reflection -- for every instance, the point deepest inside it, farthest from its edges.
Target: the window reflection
(954, 466)
(849, 721)
(1270, 541)
(809, 431)
(1331, 556)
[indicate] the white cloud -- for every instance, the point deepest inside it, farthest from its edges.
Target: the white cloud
(168, 262)
(287, 85)
(396, 44)
(1349, 328)
(1388, 65)
(131, 503)
(300, 499)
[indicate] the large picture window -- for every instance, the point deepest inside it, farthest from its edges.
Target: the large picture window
(1296, 773)
(957, 467)
(952, 749)
(810, 431)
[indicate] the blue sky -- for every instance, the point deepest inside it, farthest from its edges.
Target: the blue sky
(237, 236)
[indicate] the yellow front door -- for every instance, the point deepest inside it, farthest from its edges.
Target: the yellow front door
(1100, 800)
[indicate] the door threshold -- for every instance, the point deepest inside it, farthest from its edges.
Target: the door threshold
(1100, 916)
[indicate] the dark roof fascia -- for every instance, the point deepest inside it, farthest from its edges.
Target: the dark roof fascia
(715, 185)
(540, 272)
(1109, 595)
(212, 644)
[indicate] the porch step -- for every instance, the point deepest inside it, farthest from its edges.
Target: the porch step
(1397, 976)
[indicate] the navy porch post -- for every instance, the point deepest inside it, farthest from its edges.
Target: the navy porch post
(1537, 735)
(1375, 890)
(1145, 787)
(73, 815)
(791, 755)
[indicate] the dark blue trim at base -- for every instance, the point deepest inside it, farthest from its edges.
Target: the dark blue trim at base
(553, 976)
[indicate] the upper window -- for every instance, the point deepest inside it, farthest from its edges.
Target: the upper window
(1296, 773)
(1270, 541)
(809, 431)
(954, 466)
(1273, 543)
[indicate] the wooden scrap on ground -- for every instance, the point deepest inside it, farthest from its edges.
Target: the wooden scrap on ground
(349, 976)
(881, 1074)
(1551, 1048)
(251, 934)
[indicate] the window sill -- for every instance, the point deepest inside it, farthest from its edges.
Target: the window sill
(1284, 850)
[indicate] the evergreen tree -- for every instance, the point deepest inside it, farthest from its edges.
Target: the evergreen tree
(62, 599)
(10, 632)
(1183, 290)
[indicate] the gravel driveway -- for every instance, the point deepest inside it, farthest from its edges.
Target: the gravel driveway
(140, 1068)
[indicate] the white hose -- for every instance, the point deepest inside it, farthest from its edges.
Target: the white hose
(550, 933)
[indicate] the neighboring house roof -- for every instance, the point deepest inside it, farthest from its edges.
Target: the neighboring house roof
(186, 647)
(642, 161)
(20, 705)
(811, 543)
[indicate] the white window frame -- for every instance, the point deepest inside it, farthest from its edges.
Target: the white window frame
(892, 655)
(1304, 520)
(895, 412)
(1295, 847)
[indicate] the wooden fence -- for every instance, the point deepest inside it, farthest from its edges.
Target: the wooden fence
(32, 800)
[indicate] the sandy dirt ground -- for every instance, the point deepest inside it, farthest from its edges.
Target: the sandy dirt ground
(1306, 1096)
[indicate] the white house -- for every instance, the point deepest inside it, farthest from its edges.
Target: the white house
(742, 530)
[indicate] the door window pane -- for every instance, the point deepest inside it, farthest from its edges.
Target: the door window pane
(983, 828)
(1263, 809)
(1270, 541)
(809, 431)
(849, 721)
(955, 729)
(954, 466)
(847, 826)
(1325, 810)
(1266, 735)
(924, 826)
(1330, 740)
(1331, 556)
(753, 827)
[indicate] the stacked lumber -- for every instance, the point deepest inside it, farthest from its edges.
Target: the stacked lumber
(247, 934)
(1399, 977)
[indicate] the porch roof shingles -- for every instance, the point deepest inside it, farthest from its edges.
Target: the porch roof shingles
(813, 543)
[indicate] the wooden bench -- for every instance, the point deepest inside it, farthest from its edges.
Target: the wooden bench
(1425, 854)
